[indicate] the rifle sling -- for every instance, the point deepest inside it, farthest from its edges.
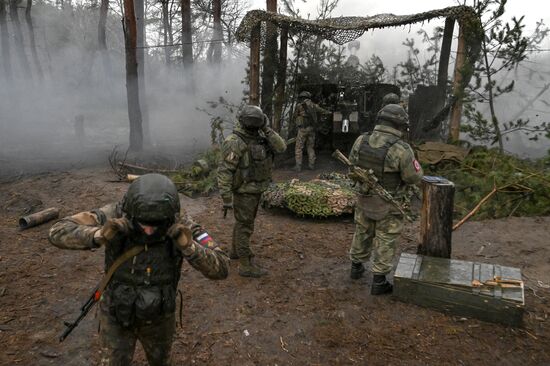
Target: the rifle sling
(132, 252)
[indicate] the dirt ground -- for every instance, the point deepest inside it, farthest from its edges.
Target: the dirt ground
(306, 312)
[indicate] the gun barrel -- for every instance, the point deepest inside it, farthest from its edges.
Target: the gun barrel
(337, 154)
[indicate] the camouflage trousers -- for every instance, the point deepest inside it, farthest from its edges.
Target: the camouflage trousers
(305, 136)
(376, 237)
(245, 207)
(118, 343)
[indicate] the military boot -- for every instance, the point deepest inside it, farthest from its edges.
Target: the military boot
(249, 269)
(297, 168)
(357, 270)
(380, 285)
(311, 166)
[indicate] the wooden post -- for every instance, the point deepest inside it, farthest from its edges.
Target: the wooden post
(445, 53)
(269, 62)
(281, 81)
(436, 218)
(254, 96)
(458, 87)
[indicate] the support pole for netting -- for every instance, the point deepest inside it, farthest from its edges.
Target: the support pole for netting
(254, 96)
(445, 54)
(458, 87)
(281, 81)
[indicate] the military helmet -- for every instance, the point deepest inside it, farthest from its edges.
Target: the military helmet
(252, 116)
(152, 198)
(390, 98)
(393, 115)
(305, 94)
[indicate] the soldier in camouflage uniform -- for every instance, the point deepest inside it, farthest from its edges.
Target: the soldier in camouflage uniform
(378, 223)
(305, 119)
(390, 98)
(140, 301)
(243, 175)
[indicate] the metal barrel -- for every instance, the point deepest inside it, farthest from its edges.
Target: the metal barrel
(38, 218)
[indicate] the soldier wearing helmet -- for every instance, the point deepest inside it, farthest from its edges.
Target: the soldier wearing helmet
(390, 98)
(378, 224)
(305, 119)
(139, 302)
(243, 175)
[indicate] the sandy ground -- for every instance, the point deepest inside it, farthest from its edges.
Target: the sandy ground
(306, 312)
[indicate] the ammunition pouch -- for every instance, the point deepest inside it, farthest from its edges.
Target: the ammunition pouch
(148, 302)
(374, 207)
(128, 303)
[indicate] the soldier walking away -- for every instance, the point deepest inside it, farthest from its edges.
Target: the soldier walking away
(139, 302)
(243, 175)
(378, 223)
(390, 98)
(305, 119)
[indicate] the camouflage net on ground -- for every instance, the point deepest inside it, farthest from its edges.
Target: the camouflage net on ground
(330, 195)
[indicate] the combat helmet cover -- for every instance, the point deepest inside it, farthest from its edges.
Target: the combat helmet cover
(252, 116)
(390, 98)
(151, 198)
(304, 95)
(393, 115)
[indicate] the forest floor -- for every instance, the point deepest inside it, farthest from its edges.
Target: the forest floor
(307, 311)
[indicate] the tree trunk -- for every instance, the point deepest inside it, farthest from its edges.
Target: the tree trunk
(436, 220)
(494, 119)
(132, 83)
(216, 43)
(166, 30)
(269, 62)
(141, 36)
(281, 81)
(18, 36)
(28, 19)
(5, 42)
(254, 95)
(458, 86)
(186, 34)
(101, 36)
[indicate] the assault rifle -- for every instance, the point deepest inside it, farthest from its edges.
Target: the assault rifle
(367, 177)
(98, 291)
(84, 310)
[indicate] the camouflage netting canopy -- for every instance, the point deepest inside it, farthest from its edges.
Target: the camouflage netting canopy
(342, 30)
(330, 195)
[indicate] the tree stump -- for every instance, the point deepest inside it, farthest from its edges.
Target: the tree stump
(436, 218)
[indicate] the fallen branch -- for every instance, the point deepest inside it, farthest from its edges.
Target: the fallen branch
(487, 197)
(145, 170)
(475, 209)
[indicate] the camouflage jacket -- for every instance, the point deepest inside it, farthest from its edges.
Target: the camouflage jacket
(235, 155)
(400, 157)
(305, 114)
(77, 232)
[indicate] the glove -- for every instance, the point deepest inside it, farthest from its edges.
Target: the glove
(111, 229)
(181, 235)
(354, 176)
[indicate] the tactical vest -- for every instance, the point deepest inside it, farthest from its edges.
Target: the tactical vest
(309, 118)
(145, 286)
(375, 159)
(256, 164)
